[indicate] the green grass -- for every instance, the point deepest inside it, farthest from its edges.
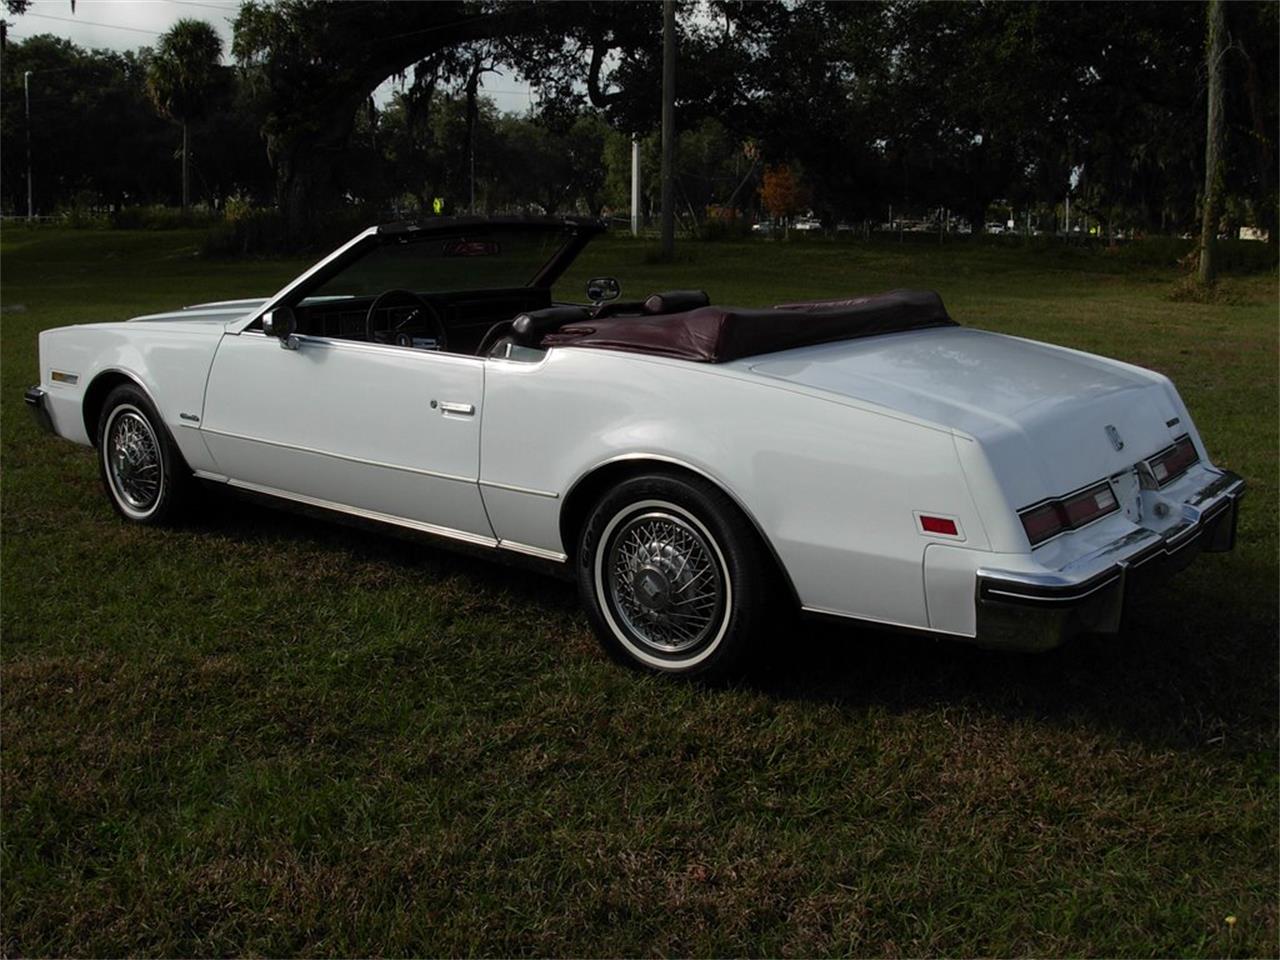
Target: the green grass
(263, 734)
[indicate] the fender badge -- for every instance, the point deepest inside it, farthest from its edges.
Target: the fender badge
(1114, 436)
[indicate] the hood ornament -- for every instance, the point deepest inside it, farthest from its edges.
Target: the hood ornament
(1114, 436)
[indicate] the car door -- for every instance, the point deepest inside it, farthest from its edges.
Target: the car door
(387, 432)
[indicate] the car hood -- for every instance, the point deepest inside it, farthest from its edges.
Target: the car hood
(215, 313)
(1029, 404)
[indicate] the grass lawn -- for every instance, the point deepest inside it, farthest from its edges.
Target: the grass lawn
(263, 734)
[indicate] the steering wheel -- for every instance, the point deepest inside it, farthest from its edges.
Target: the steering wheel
(421, 321)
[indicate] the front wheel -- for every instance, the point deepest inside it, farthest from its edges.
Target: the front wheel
(674, 578)
(145, 477)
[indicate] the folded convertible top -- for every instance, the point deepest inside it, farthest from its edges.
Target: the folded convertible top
(719, 334)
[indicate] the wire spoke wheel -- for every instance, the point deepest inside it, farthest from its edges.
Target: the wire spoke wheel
(665, 581)
(135, 467)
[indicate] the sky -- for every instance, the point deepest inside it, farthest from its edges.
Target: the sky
(129, 24)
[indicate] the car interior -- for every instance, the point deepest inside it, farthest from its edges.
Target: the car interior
(471, 322)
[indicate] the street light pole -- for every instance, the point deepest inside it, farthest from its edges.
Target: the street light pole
(668, 128)
(26, 96)
(635, 185)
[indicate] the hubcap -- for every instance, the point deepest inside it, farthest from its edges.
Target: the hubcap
(133, 461)
(664, 582)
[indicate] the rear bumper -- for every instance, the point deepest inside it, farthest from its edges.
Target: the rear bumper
(38, 403)
(1038, 611)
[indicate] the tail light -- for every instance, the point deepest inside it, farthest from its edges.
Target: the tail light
(1173, 461)
(1071, 512)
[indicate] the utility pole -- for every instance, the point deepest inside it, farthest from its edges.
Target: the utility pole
(1213, 146)
(635, 185)
(668, 127)
(26, 96)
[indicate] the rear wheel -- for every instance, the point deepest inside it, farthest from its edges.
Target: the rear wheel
(674, 578)
(143, 473)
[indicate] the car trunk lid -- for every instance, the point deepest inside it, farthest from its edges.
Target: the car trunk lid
(1073, 417)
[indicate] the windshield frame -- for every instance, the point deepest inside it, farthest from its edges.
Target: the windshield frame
(578, 231)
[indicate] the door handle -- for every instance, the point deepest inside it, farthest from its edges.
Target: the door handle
(448, 407)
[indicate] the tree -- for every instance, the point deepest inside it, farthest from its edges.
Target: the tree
(95, 139)
(1213, 143)
(781, 193)
(181, 79)
(314, 64)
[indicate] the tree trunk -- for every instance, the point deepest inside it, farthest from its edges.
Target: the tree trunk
(184, 165)
(306, 167)
(1263, 145)
(978, 219)
(1213, 145)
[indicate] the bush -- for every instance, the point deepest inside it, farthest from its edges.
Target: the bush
(158, 217)
(719, 228)
(245, 231)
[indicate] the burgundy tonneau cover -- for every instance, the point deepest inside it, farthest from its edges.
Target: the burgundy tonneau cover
(719, 334)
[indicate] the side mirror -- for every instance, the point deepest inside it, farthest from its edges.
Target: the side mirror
(282, 323)
(600, 289)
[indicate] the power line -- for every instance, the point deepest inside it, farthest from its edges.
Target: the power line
(91, 23)
(230, 7)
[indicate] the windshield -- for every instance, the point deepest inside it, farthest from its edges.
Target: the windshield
(478, 259)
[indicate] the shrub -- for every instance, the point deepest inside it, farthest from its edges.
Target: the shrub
(158, 217)
(245, 231)
(721, 228)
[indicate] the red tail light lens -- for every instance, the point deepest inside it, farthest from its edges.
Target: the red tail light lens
(1086, 507)
(1049, 519)
(1042, 523)
(1172, 462)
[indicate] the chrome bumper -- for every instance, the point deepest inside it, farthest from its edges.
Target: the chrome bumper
(37, 404)
(1039, 611)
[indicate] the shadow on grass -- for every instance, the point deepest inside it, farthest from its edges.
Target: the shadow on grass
(1194, 669)
(1170, 680)
(248, 518)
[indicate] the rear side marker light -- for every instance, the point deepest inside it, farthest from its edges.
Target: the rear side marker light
(1068, 513)
(1172, 462)
(939, 525)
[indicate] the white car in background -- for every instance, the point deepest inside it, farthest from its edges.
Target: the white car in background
(695, 468)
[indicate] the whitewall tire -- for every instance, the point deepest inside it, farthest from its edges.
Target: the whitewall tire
(674, 577)
(143, 474)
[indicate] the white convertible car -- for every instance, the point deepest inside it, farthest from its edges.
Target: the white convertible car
(696, 468)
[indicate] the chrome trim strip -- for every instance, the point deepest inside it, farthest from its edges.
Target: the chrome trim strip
(420, 525)
(875, 622)
(549, 494)
(340, 456)
(1040, 598)
(362, 346)
(538, 552)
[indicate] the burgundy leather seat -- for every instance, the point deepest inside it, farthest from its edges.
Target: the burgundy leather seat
(719, 334)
